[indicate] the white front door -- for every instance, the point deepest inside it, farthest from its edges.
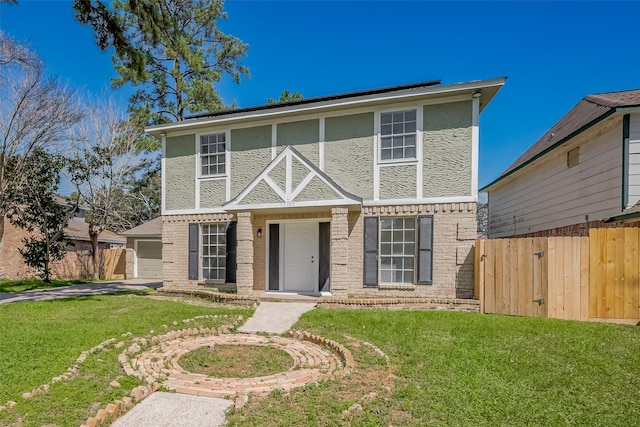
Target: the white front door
(300, 257)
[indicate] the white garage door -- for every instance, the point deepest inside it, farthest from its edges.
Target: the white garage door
(149, 259)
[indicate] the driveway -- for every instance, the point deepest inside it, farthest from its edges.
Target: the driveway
(97, 288)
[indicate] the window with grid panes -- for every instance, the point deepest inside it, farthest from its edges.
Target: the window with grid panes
(398, 135)
(212, 154)
(397, 250)
(214, 256)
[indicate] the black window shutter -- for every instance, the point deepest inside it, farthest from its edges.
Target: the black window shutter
(274, 257)
(232, 251)
(425, 249)
(193, 251)
(371, 251)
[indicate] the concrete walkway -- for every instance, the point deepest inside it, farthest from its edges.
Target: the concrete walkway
(174, 409)
(97, 288)
(275, 317)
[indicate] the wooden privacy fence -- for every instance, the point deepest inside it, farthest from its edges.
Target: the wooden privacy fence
(575, 278)
(114, 264)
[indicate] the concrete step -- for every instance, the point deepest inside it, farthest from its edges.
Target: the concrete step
(277, 297)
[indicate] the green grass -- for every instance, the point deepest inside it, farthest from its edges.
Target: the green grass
(7, 285)
(236, 361)
(466, 369)
(40, 340)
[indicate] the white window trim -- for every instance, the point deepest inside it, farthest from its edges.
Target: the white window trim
(227, 167)
(227, 156)
(418, 161)
(415, 254)
(378, 129)
(201, 255)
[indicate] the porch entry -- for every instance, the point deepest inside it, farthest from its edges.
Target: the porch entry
(298, 256)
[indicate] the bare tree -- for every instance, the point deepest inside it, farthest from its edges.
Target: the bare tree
(36, 112)
(106, 156)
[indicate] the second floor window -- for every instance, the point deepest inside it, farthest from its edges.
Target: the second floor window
(398, 135)
(212, 154)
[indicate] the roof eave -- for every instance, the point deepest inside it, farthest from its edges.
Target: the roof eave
(556, 145)
(326, 104)
(623, 217)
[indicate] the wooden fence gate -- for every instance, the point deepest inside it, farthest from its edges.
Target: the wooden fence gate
(540, 277)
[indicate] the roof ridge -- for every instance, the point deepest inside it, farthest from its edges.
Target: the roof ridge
(594, 99)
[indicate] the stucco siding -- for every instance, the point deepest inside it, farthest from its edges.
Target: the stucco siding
(262, 193)
(447, 149)
(398, 182)
(213, 193)
(348, 151)
(634, 159)
(548, 194)
(303, 135)
(180, 169)
(298, 173)
(317, 190)
(250, 154)
(279, 174)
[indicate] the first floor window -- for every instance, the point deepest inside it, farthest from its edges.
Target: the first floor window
(214, 254)
(212, 154)
(397, 250)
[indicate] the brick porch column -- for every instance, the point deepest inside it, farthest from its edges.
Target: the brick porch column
(339, 251)
(244, 274)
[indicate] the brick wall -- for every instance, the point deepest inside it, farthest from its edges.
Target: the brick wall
(175, 247)
(579, 230)
(454, 236)
(455, 230)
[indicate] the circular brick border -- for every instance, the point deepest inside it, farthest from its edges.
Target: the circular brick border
(311, 363)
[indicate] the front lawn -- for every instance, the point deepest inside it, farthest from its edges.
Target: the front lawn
(10, 285)
(465, 369)
(444, 368)
(40, 340)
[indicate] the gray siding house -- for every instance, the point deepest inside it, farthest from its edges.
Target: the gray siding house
(363, 193)
(583, 172)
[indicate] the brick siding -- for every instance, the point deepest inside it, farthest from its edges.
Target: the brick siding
(454, 235)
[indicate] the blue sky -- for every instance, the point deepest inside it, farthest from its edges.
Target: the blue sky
(553, 53)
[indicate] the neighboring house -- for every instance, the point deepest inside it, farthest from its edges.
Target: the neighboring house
(77, 262)
(364, 193)
(144, 242)
(584, 172)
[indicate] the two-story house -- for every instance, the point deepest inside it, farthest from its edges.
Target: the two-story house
(584, 172)
(363, 193)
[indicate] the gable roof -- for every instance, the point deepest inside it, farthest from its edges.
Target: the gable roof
(276, 188)
(586, 113)
(151, 228)
(369, 98)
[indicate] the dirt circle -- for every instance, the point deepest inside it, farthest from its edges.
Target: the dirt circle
(311, 363)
